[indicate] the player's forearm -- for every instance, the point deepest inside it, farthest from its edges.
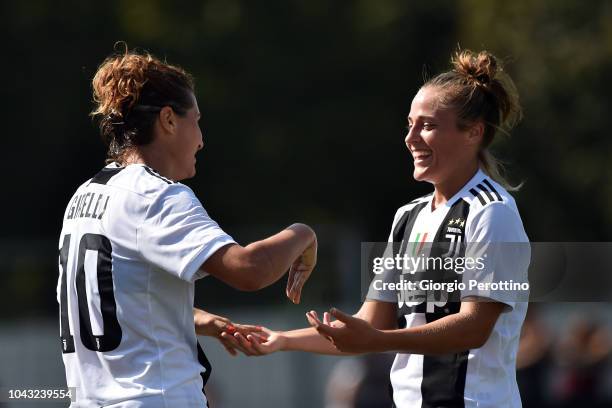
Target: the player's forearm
(450, 334)
(272, 257)
(309, 340)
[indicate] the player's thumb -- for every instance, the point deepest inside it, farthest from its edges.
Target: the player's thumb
(340, 315)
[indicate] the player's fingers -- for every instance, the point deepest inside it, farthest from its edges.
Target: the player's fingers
(291, 293)
(313, 319)
(260, 348)
(230, 339)
(297, 290)
(230, 328)
(326, 319)
(258, 337)
(262, 332)
(242, 344)
(228, 348)
(298, 286)
(290, 279)
(235, 343)
(326, 331)
(245, 344)
(340, 315)
(247, 328)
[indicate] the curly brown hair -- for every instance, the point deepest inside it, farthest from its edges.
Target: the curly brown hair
(479, 89)
(129, 89)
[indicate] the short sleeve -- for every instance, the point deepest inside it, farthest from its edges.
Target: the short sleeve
(177, 234)
(497, 243)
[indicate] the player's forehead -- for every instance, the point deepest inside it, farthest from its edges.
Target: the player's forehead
(195, 109)
(426, 105)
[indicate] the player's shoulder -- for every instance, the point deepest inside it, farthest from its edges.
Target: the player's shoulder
(483, 193)
(138, 179)
(493, 208)
(493, 214)
(417, 202)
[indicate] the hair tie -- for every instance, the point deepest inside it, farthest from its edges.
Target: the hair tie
(483, 79)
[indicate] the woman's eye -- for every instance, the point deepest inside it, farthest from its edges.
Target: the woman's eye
(428, 126)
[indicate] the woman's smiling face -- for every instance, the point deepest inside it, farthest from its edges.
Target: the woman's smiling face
(439, 148)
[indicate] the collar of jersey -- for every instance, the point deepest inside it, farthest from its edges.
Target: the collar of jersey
(478, 176)
(115, 165)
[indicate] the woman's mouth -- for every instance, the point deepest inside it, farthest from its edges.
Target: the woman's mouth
(421, 156)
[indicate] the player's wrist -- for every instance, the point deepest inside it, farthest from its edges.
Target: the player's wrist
(284, 341)
(393, 340)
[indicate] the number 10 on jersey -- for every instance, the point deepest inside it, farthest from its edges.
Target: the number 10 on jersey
(112, 331)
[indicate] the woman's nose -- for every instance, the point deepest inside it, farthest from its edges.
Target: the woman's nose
(412, 136)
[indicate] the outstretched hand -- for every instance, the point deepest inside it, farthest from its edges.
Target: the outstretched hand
(256, 343)
(348, 334)
(300, 272)
(208, 324)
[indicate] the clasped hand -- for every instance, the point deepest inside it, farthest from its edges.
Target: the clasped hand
(347, 334)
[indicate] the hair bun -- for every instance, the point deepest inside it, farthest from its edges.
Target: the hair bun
(119, 81)
(479, 69)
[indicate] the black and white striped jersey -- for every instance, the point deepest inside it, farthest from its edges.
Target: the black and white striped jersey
(481, 214)
(131, 247)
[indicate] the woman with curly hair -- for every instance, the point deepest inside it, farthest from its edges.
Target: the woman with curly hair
(134, 240)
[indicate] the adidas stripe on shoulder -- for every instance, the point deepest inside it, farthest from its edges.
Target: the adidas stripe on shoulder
(157, 175)
(486, 193)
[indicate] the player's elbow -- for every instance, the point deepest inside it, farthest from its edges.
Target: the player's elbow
(477, 322)
(478, 341)
(477, 338)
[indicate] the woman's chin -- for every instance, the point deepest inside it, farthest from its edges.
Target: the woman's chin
(419, 174)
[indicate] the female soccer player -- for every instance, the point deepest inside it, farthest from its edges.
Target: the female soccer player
(462, 352)
(134, 240)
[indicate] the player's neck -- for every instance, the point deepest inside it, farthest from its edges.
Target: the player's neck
(152, 158)
(445, 190)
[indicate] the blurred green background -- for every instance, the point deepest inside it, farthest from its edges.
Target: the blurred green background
(304, 105)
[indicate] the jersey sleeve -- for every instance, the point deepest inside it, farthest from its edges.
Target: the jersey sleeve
(497, 242)
(377, 289)
(177, 235)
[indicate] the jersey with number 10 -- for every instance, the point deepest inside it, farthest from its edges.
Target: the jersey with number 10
(131, 247)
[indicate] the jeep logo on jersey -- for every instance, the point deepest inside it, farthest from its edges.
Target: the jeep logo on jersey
(440, 247)
(419, 296)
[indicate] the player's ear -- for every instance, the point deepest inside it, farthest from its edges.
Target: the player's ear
(475, 133)
(167, 119)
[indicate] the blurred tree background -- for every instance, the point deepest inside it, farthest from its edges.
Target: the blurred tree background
(304, 105)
